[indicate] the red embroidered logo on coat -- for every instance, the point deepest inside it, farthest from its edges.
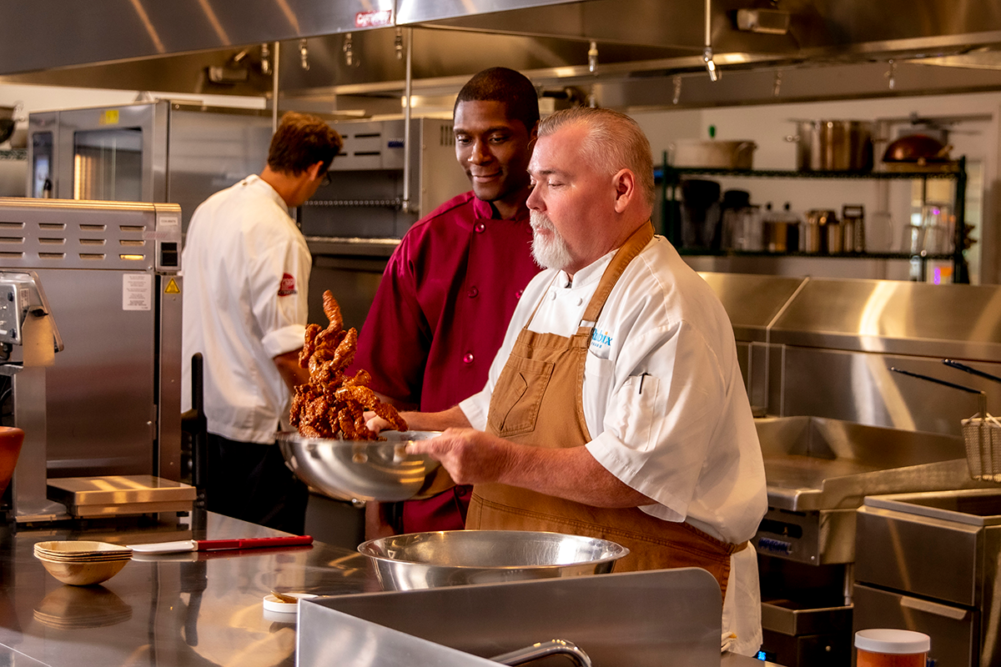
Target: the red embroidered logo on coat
(287, 285)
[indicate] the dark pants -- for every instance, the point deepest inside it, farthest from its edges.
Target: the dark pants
(250, 481)
(445, 511)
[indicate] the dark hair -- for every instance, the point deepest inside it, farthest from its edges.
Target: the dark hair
(500, 84)
(301, 141)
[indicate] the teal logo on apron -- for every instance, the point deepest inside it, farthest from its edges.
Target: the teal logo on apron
(600, 339)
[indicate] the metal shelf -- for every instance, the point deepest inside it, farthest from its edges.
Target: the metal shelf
(668, 178)
(693, 252)
(780, 173)
(14, 154)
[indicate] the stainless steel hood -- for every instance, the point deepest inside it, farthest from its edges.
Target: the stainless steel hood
(642, 44)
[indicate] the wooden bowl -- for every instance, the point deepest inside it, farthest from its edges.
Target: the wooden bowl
(83, 574)
(10, 448)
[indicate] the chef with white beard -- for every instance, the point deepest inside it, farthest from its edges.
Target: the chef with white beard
(615, 408)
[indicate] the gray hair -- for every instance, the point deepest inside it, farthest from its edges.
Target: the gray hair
(614, 141)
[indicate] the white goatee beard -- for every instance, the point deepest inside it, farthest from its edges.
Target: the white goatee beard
(549, 253)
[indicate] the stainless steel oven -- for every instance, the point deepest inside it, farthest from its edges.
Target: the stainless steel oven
(109, 403)
(146, 152)
(375, 194)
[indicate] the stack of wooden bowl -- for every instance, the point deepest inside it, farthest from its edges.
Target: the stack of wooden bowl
(80, 562)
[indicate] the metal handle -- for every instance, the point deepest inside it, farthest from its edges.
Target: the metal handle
(971, 371)
(982, 396)
(543, 649)
(955, 613)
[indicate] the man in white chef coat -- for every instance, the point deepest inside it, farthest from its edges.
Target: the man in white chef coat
(615, 407)
(246, 269)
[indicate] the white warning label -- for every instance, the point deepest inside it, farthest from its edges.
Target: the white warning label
(137, 291)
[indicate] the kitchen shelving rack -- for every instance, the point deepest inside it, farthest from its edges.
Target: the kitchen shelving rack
(669, 179)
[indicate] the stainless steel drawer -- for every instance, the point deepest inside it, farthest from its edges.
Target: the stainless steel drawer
(954, 633)
(919, 555)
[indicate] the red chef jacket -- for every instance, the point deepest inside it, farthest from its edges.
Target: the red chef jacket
(439, 317)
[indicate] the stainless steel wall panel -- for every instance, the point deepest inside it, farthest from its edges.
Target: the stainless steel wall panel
(927, 557)
(896, 317)
(208, 152)
(638, 618)
(752, 301)
(955, 630)
(860, 387)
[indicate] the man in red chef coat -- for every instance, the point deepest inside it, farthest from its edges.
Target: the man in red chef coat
(446, 296)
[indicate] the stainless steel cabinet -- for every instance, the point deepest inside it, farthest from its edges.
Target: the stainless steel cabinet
(931, 563)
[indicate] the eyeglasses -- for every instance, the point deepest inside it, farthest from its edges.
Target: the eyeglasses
(326, 180)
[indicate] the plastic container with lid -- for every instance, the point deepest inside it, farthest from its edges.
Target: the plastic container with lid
(891, 648)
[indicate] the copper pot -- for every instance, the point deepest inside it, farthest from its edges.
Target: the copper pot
(917, 148)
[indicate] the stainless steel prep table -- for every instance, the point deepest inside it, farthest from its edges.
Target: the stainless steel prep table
(186, 609)
(169, 610)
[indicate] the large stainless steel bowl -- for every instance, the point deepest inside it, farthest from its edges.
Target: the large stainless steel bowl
(456, 557)
(359, 469)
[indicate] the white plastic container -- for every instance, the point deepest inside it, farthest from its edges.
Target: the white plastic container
(891, 648)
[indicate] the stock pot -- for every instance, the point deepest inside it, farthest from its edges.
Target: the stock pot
(833, 145)
(712, 154)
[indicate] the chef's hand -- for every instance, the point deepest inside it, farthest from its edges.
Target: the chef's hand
(374, 422)
(469, 456)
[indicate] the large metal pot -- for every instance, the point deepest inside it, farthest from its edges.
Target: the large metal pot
(712, 154)
(457, 557)
(833, 145)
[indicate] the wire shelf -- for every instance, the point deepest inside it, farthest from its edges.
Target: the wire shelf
(780, 173)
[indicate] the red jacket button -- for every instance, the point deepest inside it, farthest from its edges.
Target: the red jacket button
(468, 359)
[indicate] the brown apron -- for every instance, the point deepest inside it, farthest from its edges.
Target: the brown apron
(538, 401)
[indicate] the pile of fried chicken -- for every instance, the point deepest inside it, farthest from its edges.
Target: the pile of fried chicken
(331, 404)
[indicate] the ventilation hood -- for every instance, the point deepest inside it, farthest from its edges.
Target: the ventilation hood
(832, 49)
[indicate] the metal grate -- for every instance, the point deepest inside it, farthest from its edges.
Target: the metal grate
(30, 238)
(446, 136)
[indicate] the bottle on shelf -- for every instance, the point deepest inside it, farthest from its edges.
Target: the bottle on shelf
(793, 223)
(853, 227)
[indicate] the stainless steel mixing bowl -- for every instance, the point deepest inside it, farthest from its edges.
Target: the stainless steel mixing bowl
(455, 557)
(359, 469)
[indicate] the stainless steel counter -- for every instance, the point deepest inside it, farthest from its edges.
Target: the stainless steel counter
(191, 609)
(179, 609)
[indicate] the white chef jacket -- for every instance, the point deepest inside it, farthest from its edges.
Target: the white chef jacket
(246, 271)
(688, 439)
